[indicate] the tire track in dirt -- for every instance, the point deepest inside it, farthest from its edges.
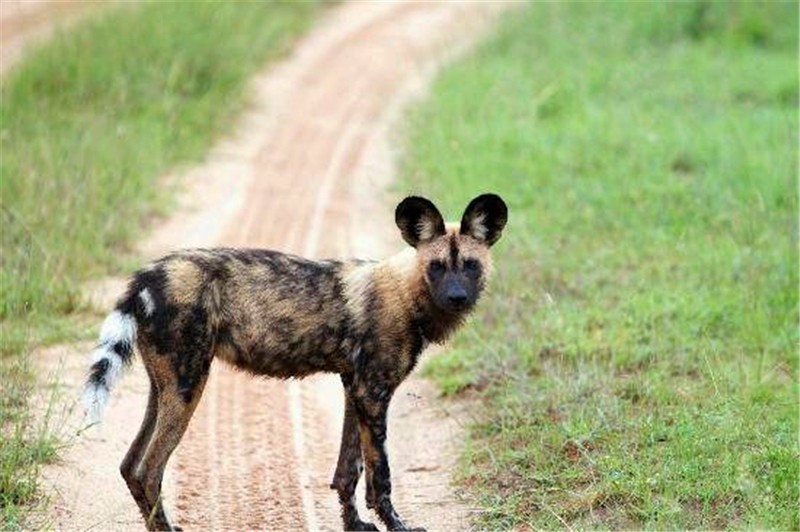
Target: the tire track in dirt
(306, 172)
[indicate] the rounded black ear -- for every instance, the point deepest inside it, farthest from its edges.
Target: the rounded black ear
(419, 220)
(485, 218)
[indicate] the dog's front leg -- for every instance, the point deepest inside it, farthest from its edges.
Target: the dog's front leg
(348, 471)
(372, 430)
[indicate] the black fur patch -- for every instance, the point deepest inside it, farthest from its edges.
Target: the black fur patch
(97, 373)
(156, 326)
(453, 252)
(494, 214)
(412, 213)
(124, 350)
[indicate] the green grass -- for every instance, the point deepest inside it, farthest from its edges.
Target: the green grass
(28, 441)
(88, 124)
(637, 353)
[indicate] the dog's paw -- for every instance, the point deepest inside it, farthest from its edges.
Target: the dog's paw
(404, 527)
(363, 525)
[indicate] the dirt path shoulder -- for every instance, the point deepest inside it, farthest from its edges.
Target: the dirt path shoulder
(306, 173)
(25, 23)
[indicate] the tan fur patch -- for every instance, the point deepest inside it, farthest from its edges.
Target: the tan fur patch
(357, 281)
(185, 281)
(477, 226)
(426, 229)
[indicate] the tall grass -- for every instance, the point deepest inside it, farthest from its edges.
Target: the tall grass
(88, 123)
(637, 354)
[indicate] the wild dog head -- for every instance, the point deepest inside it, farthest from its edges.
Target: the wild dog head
(453, 259)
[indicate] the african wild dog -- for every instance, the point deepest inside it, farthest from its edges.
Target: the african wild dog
(284, 316)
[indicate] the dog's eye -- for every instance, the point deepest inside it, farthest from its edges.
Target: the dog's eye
(436, 267)
(472, 265)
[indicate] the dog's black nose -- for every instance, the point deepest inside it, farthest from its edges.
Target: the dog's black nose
(457, 298)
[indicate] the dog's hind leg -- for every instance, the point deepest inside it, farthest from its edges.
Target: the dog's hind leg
(175, 408)
(348, 471)
(137, 450)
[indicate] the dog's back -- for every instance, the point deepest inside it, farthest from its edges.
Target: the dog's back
(266, 312)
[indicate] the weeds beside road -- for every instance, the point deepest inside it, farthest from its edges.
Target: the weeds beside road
(89, 122)
(637, 356)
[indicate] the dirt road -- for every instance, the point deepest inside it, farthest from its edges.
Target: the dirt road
(306, 173)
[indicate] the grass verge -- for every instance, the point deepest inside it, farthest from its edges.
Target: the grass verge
(637, 354)
(88, 123)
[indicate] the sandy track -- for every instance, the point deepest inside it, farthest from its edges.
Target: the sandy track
(305, 173)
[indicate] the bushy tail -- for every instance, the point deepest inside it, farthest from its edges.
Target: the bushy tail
(113, 353)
